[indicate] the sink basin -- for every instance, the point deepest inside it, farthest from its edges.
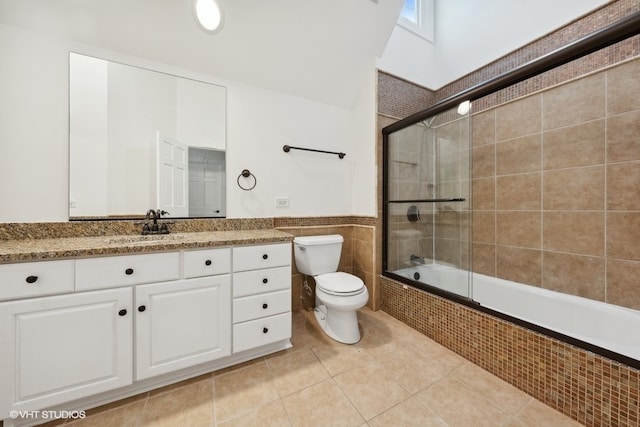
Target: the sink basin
(144, 240)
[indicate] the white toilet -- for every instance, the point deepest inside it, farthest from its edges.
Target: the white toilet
(338, 295)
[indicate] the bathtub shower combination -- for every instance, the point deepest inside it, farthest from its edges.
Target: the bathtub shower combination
(427, 241)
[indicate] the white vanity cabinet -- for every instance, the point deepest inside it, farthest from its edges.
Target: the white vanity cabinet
(60, 348)
(97, 329)
(261, 295)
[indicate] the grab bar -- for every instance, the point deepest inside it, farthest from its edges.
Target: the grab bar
(287, 148)
(457, 199)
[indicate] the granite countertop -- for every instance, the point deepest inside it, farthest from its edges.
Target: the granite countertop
(76, 247)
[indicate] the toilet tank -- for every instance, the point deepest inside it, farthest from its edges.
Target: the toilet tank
(316, 255)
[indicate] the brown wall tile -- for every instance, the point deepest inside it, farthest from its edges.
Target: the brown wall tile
(484, 128)
(484, 259)
(519, 192)
(484, 193)
(576, 102)
(623, 186)
(623, 137)
(623, 88)
(484, 161)
(579, 145)
(521, 229)
(623, 286)
(623, 235)
(518, 118)
(519, 265)
(574, 275)
(484, 227)
(574, 232)
(574, 189)
(519, 155)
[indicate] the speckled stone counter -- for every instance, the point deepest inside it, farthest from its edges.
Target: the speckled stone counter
(75, 247)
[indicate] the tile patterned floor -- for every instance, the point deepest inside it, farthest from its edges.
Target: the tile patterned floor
(393, 377)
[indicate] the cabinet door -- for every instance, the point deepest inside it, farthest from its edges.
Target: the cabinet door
(181, 324)
(60, 348)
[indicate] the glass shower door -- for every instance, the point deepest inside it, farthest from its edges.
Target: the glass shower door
(427, 203)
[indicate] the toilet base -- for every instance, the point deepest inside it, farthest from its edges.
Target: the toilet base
(342, 326)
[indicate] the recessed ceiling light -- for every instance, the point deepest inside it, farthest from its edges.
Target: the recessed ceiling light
(208, 14)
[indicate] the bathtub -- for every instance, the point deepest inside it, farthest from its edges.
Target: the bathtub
(607, 326)
(442, 276)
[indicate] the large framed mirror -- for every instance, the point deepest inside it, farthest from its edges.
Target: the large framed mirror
(141, 139)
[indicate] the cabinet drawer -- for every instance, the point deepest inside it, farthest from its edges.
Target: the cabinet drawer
(261, 281)
(263, 256)
(109, 272)
(256, 333)
(262, 305)
(35, 278)
(207, 262)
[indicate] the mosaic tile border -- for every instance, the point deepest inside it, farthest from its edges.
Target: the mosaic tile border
(589, 388)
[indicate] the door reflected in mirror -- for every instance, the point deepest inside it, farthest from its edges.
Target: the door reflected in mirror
(141, 139)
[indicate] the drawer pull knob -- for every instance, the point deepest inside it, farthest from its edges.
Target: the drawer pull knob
(265, 256)
(142, 308)
(265, 330)
(207, 262)
(122, 312)
(265, 306)
(32, 279)
(128, 271)
(265, 280)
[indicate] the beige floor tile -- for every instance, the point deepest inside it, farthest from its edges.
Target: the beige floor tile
(127, 415)
(190, 405)
(296, 370)
(414, 372)
(338, 358)
(502, 394)
(370, 390)
(271, 414)
(458, 405)
(537, 414)
(408, 413)
(241, 391)
(305, 330)
(376, 339)
(323, 404)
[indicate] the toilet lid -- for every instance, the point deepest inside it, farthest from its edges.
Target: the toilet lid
(339, 283)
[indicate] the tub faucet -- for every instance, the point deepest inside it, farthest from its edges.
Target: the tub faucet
(416, 260)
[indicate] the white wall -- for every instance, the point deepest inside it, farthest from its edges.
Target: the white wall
(470, 34)
(34, 149)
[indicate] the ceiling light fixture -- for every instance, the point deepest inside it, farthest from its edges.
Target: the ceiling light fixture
(208, 15)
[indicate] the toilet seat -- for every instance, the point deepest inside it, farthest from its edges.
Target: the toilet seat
(340, 284)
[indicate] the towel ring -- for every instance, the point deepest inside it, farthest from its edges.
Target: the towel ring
(246, 174)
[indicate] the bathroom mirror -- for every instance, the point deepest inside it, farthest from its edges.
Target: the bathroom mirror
(142, 139)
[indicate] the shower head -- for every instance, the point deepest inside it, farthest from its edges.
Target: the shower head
(428, 122)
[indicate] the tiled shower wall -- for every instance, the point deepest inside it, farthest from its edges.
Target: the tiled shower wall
(548, 216)
(556, 188)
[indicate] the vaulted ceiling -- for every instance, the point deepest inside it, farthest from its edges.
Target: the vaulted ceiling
(318, 50)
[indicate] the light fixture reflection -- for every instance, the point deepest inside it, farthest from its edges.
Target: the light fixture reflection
(208, 15)
(464, 107)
